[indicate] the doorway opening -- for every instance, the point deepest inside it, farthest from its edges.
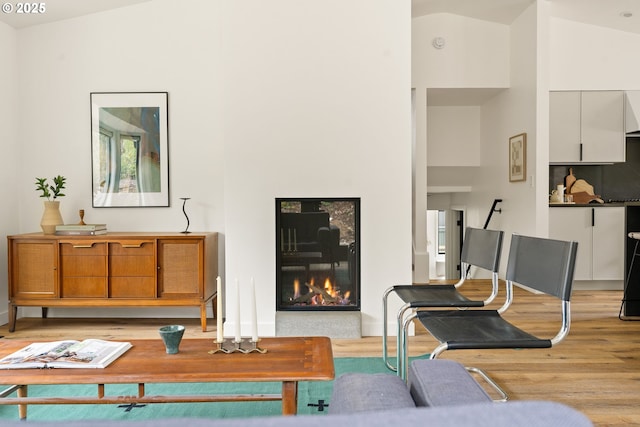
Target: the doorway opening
(445, 236)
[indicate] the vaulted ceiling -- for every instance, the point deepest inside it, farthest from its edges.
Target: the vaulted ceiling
(623, 15)
(606, 13)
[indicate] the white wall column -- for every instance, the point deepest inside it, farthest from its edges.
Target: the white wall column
(419, 186)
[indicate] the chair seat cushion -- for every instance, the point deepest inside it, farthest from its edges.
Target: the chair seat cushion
(440, 382)
(359, 392)
(434, 296)
(477, 329)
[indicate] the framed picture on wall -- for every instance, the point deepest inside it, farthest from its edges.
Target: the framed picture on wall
(129, 149)
(518, 158)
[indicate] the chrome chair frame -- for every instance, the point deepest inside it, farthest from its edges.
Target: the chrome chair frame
(535, 274)
(482, 249)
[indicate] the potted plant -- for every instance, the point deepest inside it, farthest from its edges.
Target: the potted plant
(51, 191)
(51, 216)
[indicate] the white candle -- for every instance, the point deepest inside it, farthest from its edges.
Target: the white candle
(219, 335)
(238, 336)
(254, 314)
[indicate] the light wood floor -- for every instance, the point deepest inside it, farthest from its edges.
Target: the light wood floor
(596, 369)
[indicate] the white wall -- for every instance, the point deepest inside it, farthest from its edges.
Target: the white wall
(540, 178)
(476, 55)
(587, 57)
(11, 155)
(152, 46)
(453, 136)
(328, 114)
(510, 113)
(266, 99)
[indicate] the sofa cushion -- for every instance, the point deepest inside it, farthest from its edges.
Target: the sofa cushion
(435, 382)
(358, 392)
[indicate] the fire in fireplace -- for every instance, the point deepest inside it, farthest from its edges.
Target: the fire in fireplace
(318, 254)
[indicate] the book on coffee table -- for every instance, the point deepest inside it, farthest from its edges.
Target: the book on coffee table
(90, 353)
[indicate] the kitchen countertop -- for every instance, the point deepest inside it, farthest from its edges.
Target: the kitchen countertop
(592, 205)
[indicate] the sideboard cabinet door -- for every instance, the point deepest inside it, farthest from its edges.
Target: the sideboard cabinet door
(33, 269)
(180, 268)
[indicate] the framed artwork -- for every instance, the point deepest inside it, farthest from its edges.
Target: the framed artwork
(518, 158)
(129, 149)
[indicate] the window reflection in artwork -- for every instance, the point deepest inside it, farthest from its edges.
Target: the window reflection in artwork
(129, 150)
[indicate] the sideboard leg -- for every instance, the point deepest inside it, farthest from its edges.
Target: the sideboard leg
(13, 314)
(203, 316)
(45, 312)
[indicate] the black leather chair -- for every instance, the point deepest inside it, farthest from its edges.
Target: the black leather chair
(540, 265)
(481, 249)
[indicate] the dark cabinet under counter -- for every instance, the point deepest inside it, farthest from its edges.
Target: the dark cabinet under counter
(631, 297)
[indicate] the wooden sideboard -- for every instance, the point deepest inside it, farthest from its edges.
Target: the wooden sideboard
(117, 269)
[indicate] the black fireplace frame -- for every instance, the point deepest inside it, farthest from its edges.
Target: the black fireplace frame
(353, 248)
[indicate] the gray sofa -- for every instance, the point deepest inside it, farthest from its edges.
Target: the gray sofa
(511, 414)
(436, 388)
(438, 393)
(430, 383)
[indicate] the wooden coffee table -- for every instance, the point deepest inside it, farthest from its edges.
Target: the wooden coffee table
(287, 360)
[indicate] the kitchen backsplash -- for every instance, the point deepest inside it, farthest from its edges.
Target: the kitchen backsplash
(620, 181)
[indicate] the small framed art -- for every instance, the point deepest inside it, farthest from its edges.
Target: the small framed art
(518, 158)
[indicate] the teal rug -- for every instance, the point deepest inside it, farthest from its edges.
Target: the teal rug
(310, 395)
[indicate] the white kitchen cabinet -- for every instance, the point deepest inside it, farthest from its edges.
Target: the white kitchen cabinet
(600, 234)
(564, 126)
(586, 127)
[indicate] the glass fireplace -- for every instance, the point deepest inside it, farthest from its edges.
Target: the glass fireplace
(318, 254)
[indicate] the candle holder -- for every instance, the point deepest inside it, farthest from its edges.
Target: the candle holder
(230, 345)
(81, 214)
(184, 211)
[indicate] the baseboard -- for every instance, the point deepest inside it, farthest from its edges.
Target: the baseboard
(116, 312)
(4, 317)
